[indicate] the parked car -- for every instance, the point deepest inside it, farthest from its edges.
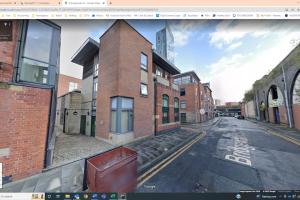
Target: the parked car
(240, 117)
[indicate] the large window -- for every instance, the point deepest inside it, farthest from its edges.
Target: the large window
(121, 115)
(144, 61)
(39, 53)
(176, 109)
(165, 109)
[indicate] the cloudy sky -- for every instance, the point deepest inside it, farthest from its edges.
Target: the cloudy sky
(230, 54)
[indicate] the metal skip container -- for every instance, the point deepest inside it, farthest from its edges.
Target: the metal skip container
(113, 171)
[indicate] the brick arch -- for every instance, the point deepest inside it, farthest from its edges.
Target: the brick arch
(277, 110)
(295, 103)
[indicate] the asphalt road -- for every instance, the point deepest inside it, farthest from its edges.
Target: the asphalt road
(234, 155)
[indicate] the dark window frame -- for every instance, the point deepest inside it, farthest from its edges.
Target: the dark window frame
(144, 84)
(182, 92)
(118, 111)
(143, 66)
(52, 69)
(176, 109)
(165, 109)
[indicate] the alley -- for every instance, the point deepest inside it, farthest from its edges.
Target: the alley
(234, 155)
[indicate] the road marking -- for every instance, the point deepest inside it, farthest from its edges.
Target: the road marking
(154, 170)
(240, 151)
(290, 139)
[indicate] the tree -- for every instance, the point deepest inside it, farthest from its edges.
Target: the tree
(248, 96)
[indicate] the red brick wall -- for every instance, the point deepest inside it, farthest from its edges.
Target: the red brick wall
(63, 84)
(192, 102)
(7, 54)
(271, 115)
(24, 122)
(120, 75)
(296, 115)
(161, 89)
(23, 119)
(282, 113)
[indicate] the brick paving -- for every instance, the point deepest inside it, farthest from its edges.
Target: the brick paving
(74, 147)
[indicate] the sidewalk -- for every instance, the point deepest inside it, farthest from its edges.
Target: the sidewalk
(154, 149)
(283, 130)
(204, 126)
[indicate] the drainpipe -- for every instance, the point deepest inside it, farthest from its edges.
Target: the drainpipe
(257, 106)
(155, 95)
(286, 98)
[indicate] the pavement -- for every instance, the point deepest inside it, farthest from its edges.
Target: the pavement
(281, 129)
(70, 148)
(234, 155)
(154, 149)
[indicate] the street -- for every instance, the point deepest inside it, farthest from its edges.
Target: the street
(234, 155)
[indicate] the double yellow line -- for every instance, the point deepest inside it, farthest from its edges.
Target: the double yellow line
(290, 139)
(154, 170)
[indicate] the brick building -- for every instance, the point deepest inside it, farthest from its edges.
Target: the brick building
(29, 64)
(190, 102)
(208, 102)
(196, 102)
(134, 95)
(67, 84)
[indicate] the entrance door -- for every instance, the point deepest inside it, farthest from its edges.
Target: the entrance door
(82, 124)
(276, 115)
(183, 117)
(93, 126)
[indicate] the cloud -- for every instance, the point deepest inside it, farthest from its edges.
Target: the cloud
(232, 75)
(230, 31)
(234, 46)
(183, 30)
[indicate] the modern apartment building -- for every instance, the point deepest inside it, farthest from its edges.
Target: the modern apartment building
(196, 102)
(190, 93)
(134, 95)
(29, 62)
(88, 57)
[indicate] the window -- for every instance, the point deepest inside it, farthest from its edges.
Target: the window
(144, 89)
(39, 53)
(183, 104)
(121, 115)
(186, 80)
(159, 71)
(144, 61)
(176, 109)
(95, 90)
(96, 69)
(72, 86)
(182, 91)
(165, 109)
(183, 117)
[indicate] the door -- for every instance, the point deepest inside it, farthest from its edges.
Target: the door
(93, 126)
(183, 117)
(277, 116)
(82, 124)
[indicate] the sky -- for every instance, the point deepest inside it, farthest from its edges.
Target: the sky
(230, 54)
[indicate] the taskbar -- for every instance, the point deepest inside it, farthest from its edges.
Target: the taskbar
(242, 195)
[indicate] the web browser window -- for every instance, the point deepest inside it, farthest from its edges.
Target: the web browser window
(149, 100)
